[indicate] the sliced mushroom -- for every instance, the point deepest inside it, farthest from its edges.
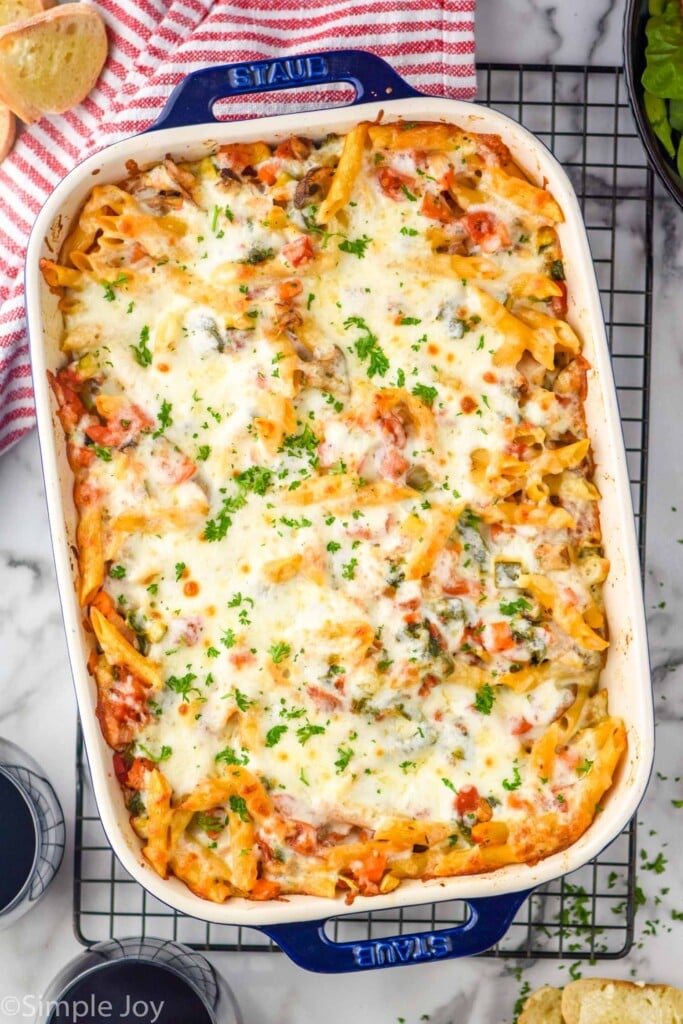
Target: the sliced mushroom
(329, 373)
(313, 186)
(183, 180)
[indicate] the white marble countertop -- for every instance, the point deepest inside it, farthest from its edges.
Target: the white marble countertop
(37, 705)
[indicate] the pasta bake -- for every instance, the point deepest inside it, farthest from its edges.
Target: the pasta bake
(338, 540)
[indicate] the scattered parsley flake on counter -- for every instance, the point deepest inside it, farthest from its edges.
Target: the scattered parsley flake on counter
(279, 651)
(238, 806)
(142, 354)
(484, 699)
(304, 732)
(117, 572)
(274, 735)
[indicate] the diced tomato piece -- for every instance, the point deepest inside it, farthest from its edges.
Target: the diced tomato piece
(467, 800)
(370, 869)
(304, 839)
(478, 225)
(323, 700)
(394, 185)
(79, 455)
(121, 428)
(521, 727)
(137, 773)
(558, 303)
(500, 637)
(71, 408)
(299, 251)
(393, 465)
(495, 145)
(241, 658)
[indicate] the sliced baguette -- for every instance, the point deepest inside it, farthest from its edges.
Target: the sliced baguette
(597, 1001)
(7, 130)
(50, 63)
(542, 1007)
(20, 10)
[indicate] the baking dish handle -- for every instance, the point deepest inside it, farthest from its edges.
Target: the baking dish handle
(192, 100)
(308, 945)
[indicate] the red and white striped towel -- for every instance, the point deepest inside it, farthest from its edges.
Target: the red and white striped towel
(153, 44)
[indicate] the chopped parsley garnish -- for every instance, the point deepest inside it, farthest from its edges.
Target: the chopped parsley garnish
(211, 652)
(514, 607)
(304, 732)
(164, 418)
(409, 231)
(228, 639)
(228, 756)
(256, 479)
(407, 766)
(274, 735)
(425, 393)
(179, 570)
(117, 572)
(302, 446)
(409, 321)
(449, 785)
(484, 699)
(356, 247)
(109, 287)
(142, 354)
(102, 453)
(584, 767)
(203, 452)
(349, 570)
(238, 806)
(408, 194)
(368, 348)
(342, 761)
(279, 651)
(182, 684)
(333, 546)
(516, 780)
(242, 701)
(163, 754)
(296, 524)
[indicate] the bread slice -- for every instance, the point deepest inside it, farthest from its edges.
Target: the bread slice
(597, 1001)
(7, 130)
(20, 10)
(50, 63)
(542, 1007)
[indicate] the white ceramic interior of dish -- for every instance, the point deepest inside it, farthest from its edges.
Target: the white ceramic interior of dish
(626, 675)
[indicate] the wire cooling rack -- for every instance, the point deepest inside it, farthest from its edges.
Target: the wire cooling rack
(583, 115)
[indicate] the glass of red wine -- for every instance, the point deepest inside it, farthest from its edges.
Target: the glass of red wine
(143, 980)
(31, 833)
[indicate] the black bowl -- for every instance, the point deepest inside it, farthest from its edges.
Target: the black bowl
(635, 41)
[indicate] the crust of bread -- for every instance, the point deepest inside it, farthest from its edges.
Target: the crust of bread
(600, 1001)
(50, 62)
(543, 1007)
(8, 126)
(12, 11)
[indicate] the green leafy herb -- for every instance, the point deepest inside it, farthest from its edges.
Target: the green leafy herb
(409, 321)
(516, 780)
(349, 570)
(182, 684)
(304, 732)
(103, 453)
(228, 756)
(164, 418)
(179, 570)
(279, 651)
(163, 754)
(356, 247)
(368, 348)
(514, 607)
(484, 699)
(203, 452)
(409, 231)
(296, 524)
(425, 393)
(243, 702)
(274, 735)
(408, 194)
(449, 785)
(117, 572)
(142, 354)
(109, 287)
(584, 767)
(238, 806)
(302, 446)
(333, 546)
(343, 759)
(228, 639)
(557, 270)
